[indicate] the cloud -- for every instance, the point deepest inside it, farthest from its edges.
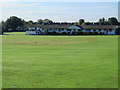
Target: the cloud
(98, 7)
(49, 13)
(49, 6)
(57, 11)
(33, 5)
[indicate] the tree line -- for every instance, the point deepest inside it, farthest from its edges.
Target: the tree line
(18, 24)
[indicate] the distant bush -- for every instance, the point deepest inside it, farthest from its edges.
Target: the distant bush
(117, 31)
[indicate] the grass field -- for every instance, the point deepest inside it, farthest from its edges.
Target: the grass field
(60, 61)
(14, 33)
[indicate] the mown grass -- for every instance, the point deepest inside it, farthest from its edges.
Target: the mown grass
(60, 61)
(14, 33)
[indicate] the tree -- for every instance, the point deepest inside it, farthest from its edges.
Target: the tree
(2, 27)
(1, 32)
(47, 21)
(113, 21)
(81, 21)
(87, 23)
(64, 23)
(40, 21)
(13, 22)
(30, 22)
(102, 21)
(84, 23)
(119, 23)
(27, 24)
(76, 23)
(46, 31)
(96, 23)
(117, 31)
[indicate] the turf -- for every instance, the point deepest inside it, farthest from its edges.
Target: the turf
(14, 33)
(60, 61)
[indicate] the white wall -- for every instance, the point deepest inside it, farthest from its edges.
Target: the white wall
(65, 30)
(74, 27)
(30, 32)
(111, 32)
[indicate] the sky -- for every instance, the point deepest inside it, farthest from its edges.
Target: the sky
(59, 11)
(59, 0)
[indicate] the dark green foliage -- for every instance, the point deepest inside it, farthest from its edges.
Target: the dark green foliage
(65, 23)
(0, 28)
(13, 22)
(45, 21)
(110, 21)
(81, 21)
(48, 21)
(113, 21)
(118, 31)
(102, 21)
(40, 21)
(76, 23)
(87, 23)
(27, 24)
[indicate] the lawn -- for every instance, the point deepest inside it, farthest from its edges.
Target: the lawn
(14, 33)
(60, 61)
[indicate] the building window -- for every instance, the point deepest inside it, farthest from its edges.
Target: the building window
(68, 29)
(110, 29)
(59, 29)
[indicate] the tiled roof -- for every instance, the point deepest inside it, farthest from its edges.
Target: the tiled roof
(51, 26)
(98, 26)
(83, 26)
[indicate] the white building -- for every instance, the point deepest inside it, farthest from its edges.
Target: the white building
(60, 29)
(100, 29)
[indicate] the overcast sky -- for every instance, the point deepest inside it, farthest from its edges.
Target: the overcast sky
(59, 11)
